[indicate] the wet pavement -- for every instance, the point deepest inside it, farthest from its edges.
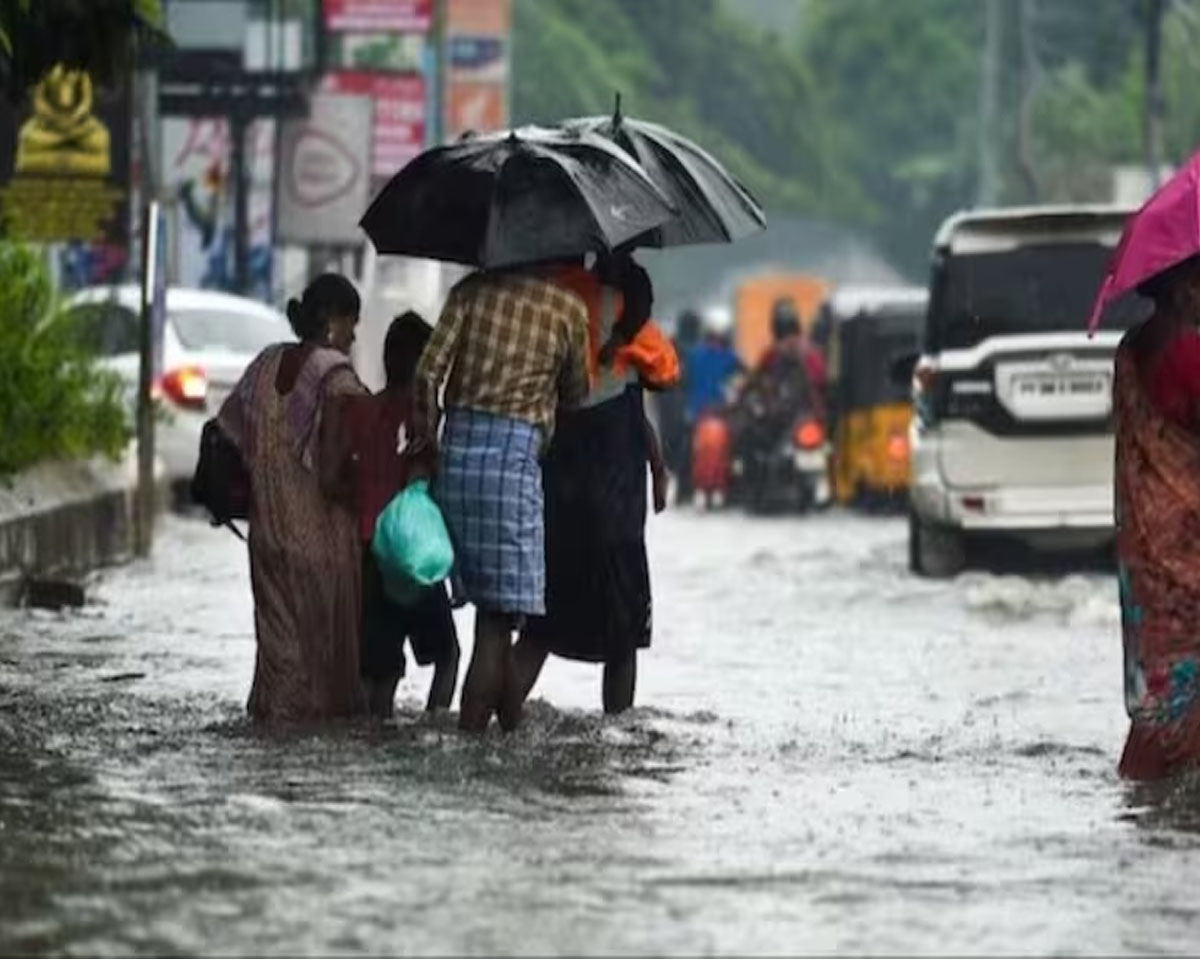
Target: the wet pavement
(830, 757)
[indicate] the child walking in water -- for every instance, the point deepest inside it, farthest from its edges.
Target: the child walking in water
(378, 464)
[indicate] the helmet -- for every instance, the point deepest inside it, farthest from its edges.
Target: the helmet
(687, 327)
(718, 319)
(785, 320)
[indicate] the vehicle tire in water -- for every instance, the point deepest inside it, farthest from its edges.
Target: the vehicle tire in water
(934, 551)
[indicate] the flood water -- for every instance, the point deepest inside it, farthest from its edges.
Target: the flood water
(831, 756)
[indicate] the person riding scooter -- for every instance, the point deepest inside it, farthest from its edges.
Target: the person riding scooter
(784, 389)
(791, 343)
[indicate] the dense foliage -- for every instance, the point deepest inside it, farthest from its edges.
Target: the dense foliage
(100, 36)
(57, 404)
(867, 111)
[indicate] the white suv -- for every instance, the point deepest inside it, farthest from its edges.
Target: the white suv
(1012, 428)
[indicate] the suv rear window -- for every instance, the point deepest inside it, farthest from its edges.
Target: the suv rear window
(221, 330)
(1033, 289)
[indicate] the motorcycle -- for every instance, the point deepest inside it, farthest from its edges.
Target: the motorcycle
(789, 473)
(781, 452)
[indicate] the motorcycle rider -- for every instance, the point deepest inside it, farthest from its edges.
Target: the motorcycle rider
(788, 380)
(791, 343)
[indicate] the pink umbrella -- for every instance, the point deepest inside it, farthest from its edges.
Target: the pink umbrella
(1166, 231)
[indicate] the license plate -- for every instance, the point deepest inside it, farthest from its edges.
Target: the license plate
(1062, 386)
(809, 461)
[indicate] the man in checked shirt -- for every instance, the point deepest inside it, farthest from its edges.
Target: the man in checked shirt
(511, 349)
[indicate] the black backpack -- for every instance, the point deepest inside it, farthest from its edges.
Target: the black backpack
(221, 483)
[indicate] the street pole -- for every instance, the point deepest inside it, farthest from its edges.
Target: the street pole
(1155, 103)
(241, 200)
(1026, 161)
(989, 93)
(144, 498)
(437, 39)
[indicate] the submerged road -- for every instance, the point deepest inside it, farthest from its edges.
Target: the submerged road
(829, 756)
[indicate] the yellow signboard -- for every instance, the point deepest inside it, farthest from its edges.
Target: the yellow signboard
(64, 163)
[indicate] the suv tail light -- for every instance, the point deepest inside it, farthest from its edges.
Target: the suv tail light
(187, 387)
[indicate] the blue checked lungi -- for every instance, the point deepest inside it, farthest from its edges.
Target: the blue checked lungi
(489, 487)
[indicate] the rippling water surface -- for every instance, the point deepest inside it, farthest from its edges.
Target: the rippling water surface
(831, 757)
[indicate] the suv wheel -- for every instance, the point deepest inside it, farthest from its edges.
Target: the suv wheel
(934, 551)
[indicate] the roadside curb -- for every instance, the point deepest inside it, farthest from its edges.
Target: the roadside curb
(60, 521)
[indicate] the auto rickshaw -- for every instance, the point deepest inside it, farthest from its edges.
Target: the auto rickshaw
(869, 328)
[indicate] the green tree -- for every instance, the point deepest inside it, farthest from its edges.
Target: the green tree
(686, 63)
(900, 85)
(870, 113)
(100, 36)
(57, 403)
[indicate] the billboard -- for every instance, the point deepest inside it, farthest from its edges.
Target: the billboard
(378, 16)
(398, 120)
(196, 157)
(476, 106)
(324, 180)
(479, 17)
(385, 52)
(64, 162)
(478, 61)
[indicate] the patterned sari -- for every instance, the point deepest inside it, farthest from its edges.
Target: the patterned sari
(305, 554)
(1158, 547)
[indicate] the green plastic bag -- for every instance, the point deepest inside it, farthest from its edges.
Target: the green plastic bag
(411, 544)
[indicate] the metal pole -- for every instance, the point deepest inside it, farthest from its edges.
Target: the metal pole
(144, 500)
(1155, 103)
(437, 39)
(241, 201)
(1026, 159)
(989, 92)
(144, 509)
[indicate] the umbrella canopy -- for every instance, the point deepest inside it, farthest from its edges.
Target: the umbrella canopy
(1165, 232)
(519, 197)
(712, 207)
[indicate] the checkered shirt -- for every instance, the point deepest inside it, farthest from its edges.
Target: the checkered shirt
(512, 344)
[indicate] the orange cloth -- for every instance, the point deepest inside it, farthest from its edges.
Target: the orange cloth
(653, 356)
(651, 353)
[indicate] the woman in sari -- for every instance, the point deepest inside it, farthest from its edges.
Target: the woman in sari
(1156, 396)
(305, 556)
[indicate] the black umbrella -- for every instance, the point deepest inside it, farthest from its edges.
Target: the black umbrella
(711, 206)
(523, 196)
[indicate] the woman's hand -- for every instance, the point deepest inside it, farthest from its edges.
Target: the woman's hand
(423, 461)
(660, 483)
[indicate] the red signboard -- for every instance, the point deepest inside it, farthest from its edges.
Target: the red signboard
(368, 16)
(398, 130)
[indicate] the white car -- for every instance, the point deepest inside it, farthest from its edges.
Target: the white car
(1012, 430)
(209, 340)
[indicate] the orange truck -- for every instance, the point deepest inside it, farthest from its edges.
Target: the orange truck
(754, 300)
